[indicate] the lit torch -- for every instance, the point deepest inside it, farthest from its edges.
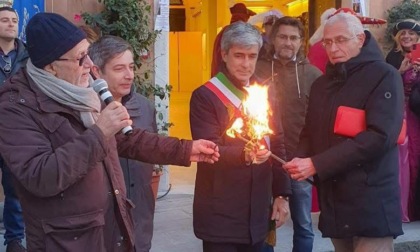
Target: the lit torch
(255, 109)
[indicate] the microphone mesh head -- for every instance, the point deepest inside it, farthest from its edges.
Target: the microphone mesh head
(99, 84)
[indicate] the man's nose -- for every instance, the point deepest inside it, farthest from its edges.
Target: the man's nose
(88, 61)
(334, 47)
(129, 74)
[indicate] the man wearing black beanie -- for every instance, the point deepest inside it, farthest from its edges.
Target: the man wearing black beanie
(63, 148)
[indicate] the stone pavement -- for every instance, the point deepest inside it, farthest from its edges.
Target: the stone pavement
(173, 230)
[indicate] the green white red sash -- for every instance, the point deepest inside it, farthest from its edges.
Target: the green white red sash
(229, 95)
(226, 91)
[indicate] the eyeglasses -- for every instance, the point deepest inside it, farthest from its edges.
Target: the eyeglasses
(292, 38)
(8, 66)
(327, 43)
(81, 60)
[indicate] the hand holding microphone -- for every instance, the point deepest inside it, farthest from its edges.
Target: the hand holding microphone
(115, 116)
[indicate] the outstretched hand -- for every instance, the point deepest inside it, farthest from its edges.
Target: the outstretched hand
(204, 151)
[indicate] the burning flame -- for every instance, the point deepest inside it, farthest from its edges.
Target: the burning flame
(236, 128)
(255, 109)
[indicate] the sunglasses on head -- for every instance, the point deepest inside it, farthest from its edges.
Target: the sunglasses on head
(8, 66)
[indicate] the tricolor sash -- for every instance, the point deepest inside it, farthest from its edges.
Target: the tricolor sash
(229, 95)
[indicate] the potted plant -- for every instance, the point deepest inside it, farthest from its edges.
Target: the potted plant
(130, 20)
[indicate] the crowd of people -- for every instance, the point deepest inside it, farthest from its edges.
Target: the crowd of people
(74, 182)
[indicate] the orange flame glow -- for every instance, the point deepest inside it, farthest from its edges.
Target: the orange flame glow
(256, 110)
(236, 128)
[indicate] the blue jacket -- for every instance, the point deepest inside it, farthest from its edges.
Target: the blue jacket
(20, 61)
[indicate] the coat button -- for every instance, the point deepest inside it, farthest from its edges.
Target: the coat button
(22, 100)
(75, 238)
(346, 226)
(118, 244)
(117, 192)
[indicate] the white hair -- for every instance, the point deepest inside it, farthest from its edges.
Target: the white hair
(317, 36)
(353, 23)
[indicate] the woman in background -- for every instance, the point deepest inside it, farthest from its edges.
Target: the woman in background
(406, 35)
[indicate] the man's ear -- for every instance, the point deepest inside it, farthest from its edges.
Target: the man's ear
(224, 55)
(51, 69)
(94, 70)
(361, 37)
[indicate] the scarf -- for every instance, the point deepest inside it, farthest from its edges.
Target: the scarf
(84, 100)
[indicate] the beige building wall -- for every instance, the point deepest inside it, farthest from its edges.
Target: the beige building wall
(69, 8)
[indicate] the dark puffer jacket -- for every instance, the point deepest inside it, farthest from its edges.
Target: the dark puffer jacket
(357, 177)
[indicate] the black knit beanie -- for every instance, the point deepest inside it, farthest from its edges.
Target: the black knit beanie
(49, 36)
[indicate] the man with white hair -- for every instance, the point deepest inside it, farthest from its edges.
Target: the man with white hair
(356, 176)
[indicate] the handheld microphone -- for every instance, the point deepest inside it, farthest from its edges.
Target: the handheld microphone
(101, 87)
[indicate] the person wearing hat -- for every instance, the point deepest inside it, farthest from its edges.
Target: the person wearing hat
(356, 175)
(406, 34)
(62, 147)
(267, 24)
(316, 52)
(239, 13)
(13, 57)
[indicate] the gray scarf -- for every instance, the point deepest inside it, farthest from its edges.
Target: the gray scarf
(84, 100)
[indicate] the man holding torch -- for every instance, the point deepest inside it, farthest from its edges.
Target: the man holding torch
(232, 201)
(356, 173)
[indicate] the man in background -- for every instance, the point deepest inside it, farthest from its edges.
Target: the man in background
(113, 61)
(13, 57)
(291, 77)
(239, 13)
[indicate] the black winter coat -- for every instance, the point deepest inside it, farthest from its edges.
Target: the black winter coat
(232, 201)
(357, 177)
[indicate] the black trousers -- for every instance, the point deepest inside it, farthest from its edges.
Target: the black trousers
(231, 247)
